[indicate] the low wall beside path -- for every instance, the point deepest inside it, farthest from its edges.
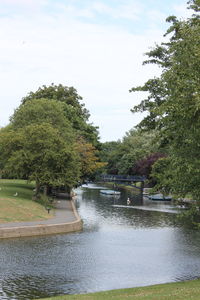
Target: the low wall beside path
(52, 226)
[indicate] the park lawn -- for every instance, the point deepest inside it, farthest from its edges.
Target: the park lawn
(187, 290)
(19, 208)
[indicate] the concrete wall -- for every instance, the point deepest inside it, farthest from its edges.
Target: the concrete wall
(43, 229)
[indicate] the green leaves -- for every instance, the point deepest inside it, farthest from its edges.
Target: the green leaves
(122, 156)
(41, 142)
(173, 105)
(39, 152)
(74, 111)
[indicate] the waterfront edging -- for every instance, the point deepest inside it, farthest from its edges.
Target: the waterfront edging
(43, 229)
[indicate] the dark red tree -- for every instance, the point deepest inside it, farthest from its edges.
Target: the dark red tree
(144, 166)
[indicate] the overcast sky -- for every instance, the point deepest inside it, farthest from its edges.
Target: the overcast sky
(96, 46)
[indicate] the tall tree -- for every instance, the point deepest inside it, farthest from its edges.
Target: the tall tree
(24, 151)
(110, 154)
(42, 111)
(121, 156)
(89, 161)
(39, 152)
(173, 102)
(74, 110)
(136, 145)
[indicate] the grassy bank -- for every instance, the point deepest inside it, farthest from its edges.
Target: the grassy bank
(188, 290)
(16, 203)
(123, 186)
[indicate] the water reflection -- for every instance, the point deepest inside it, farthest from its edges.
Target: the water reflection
(113, 210)
(119, 247)
(15, 287)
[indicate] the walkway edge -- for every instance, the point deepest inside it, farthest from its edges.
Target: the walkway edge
(43, 229)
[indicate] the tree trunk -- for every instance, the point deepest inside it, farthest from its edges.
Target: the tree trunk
(142, 187)
(36, 191)
(37, 188)
(45, 190)
(69, 191)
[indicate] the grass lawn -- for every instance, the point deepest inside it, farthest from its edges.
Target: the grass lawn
(188, 290)
(21, 207)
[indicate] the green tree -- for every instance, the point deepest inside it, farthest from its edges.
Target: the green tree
(42, 114)
(39, 152)
(121, 156)
(74, 110)
(89, 161)
(110, 154)
(136, 145)
(173, 103)
(42, 111)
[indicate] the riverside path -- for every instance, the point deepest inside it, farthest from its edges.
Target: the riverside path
(66, 219)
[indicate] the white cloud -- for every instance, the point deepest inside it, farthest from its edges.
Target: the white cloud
(26, 7)
(130, 10)
(181, 11)
(71, 11)
(19, 2)
(156, 16)
(101, 62)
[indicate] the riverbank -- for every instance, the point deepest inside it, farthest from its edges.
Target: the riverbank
(16, 203)
(187, 290)
(65, 218)
(133, 188)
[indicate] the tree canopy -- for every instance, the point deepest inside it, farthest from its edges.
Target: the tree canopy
(39, 145)
(49, 139)
(74, 110)
(42, 111)
(173, 102)
(123, 156)
(39, 152)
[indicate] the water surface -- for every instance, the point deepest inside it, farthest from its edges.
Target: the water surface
(120, 246)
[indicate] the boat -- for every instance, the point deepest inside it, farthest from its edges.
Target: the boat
(159, 197)
(109, 192)
(93, 187)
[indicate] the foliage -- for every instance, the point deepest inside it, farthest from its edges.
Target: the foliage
(162, 174)
(144, 166)
(136, 145)
(49, 139)
(110, 154)
(173, 104)
(41, 111)
(88, 158)
(40, 153)
(61, 93)
(39, 145)
(191, 217)
(121, 156)
(75, 112)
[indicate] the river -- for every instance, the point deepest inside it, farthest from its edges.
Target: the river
(121, 246)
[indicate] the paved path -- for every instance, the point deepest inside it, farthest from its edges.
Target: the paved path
(63, 214)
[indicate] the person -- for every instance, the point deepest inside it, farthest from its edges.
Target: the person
(128, 201)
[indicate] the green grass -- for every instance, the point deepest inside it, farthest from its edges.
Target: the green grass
(21, 207)
(187, 290)
(124, 186)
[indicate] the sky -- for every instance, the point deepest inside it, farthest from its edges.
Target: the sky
(96, 46)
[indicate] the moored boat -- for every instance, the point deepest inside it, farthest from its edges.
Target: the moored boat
(160, 197)
(109, 192)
